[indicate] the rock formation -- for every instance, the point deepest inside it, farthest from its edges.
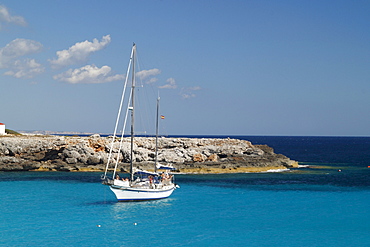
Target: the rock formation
(188, 155)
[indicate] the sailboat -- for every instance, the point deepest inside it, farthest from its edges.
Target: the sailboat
(142, 185)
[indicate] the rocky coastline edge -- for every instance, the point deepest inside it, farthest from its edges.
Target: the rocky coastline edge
(90, 154)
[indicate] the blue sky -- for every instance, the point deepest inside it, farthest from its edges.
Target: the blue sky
(221, 67)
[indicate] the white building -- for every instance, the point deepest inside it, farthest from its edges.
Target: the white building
(2, 129)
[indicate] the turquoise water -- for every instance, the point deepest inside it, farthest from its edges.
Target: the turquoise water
(304, 207)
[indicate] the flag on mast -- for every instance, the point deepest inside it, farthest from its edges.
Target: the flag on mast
(162, 117)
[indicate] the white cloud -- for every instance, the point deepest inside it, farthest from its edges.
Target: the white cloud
(6, 17)
(147, 75)
(20, 68)
(171, 84)
(88, 74)
(17, 48)
(26, 68)
(144, 74)
(187, 93)
(151, 80)
(79, 52)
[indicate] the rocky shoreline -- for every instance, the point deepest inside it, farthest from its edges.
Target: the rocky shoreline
(187, 155)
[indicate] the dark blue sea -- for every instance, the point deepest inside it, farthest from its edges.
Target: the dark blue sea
(324, 204)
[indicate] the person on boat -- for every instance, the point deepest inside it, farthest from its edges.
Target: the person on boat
(117, 177)
(150, 181)
(165, 178)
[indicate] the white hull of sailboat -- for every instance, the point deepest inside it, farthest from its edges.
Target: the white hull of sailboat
(141, 194)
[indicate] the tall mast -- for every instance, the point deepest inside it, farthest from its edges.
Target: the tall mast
(132, 110)
(156, 137)
(117, 121)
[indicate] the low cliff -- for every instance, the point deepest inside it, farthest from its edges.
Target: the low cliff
(188, 155)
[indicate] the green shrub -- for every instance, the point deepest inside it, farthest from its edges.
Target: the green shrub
(8, 131)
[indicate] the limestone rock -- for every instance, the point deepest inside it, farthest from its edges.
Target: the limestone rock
(73, 153)
(198, 157)
(213, 158)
